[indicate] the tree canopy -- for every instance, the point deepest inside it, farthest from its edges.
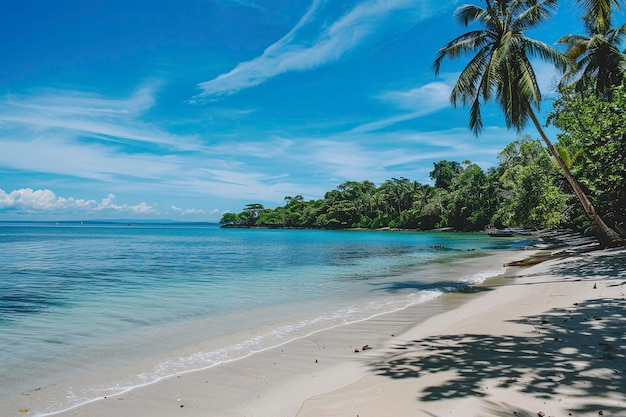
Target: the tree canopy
(521, 191)
(532, 186)
(501, 70)
(595, 130)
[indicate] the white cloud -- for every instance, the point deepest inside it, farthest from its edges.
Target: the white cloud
(421, 100)
(141, 208)
(40, 200)
(45, 203)
(298, 50)
(27, 200)
(548, 77)
(192, 211)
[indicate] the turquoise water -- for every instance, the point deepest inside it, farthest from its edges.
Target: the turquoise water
(79, 298)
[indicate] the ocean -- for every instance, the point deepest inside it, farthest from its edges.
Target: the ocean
(125, 305)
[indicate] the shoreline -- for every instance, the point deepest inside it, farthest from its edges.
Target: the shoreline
(334, 346)
(549, 343)
(322, 375)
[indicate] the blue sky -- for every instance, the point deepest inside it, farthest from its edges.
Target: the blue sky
(186, 110)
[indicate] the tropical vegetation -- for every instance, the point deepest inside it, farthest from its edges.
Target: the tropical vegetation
(501, 69)
(525, 190)
(576, 182)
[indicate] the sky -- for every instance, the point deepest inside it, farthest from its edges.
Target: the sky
(187, 110)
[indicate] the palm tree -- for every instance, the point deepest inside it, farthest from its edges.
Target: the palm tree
(599, 12)
(600, 64)
(501, 70)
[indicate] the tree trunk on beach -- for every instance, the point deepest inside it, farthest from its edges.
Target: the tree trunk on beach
(605, 235)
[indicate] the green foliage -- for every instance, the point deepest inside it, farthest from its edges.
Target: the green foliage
(521, 191)
(341, 214)
(522, 152)
(598, 13)
(435, 208)
(230, 219)
(445, 173)
(471, 202)
(501, 70)
(600, 65)
(271, 218)
(248, 217)
(251, 213)
(595, 130)
(529, 187)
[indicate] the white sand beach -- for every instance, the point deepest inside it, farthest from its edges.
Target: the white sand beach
(551, 343)
(547, 340)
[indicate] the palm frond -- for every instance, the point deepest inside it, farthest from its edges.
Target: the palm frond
(528, 83)
(468, 13)
(500, 68)
(506, 94)
(598, 12)
(533, 13)
(599, 63)
(566, 156)
(491, 76)
(475, 119)
(467, 86)
(547, 53)
(616, 35)
(460, 45)
(572, 39)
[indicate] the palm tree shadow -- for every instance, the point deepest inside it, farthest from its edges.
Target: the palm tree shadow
(582, 348)
(608, 266)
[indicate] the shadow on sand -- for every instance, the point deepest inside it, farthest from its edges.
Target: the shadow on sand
(582, 347)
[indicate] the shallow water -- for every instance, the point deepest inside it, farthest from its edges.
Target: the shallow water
(76, 299)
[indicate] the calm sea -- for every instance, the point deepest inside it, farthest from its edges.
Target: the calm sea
(76, 299)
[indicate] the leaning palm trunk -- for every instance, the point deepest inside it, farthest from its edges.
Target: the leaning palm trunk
(501, 70)
(605, 235)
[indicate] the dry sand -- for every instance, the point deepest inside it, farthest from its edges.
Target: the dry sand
(552, 343)
(545, 340)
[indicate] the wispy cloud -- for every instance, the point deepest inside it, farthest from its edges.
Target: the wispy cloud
(72, 103)
(88, 136)
(79, 114)
(73, 135)
(314, 42)
(358, 155)
(55, 154)
(248, 3)
(270, 147)
(421, 100)
(418, 101)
